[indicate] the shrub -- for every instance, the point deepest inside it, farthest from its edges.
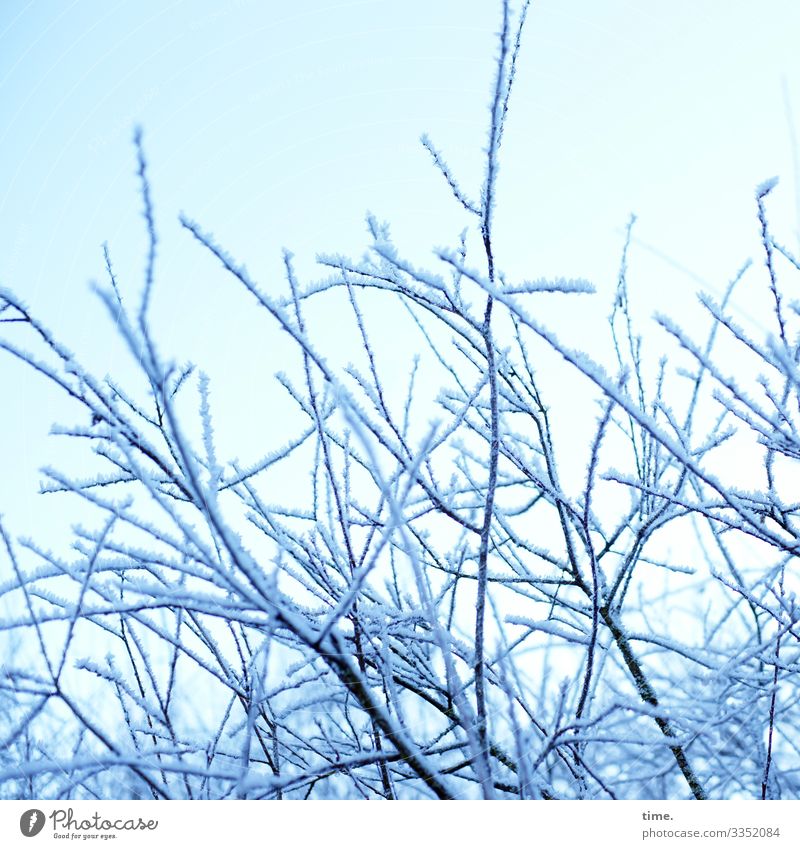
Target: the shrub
(413, 608)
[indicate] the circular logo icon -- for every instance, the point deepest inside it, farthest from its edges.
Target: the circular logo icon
(31, 822)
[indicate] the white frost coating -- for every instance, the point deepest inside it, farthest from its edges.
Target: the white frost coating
(766, 187)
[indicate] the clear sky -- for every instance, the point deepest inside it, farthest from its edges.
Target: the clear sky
(277, 123)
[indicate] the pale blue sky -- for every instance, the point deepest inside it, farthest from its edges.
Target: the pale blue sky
(279, 123)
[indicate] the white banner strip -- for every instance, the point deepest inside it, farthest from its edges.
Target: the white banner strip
(411, 825)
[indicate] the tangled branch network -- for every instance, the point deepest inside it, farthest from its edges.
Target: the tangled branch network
(429, 609)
